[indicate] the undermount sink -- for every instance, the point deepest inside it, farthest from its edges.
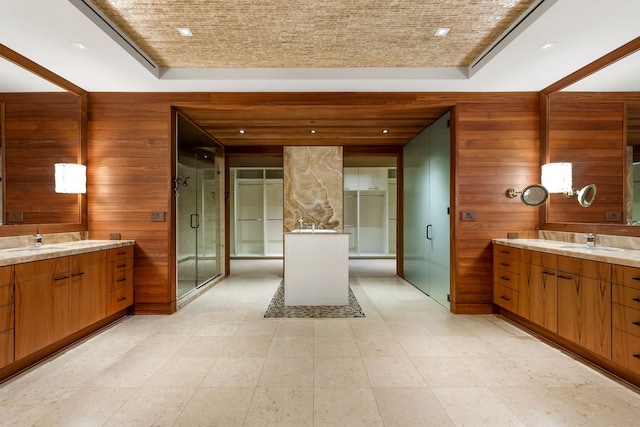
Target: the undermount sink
(591, 249)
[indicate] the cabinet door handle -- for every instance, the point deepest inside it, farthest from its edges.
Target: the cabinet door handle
(505, 298)
(122, 299)
(122, 280)
(564, 277)
(636, 323)
(637, 356)
(548, 273)
(77, 274)
(635, 278)
(505, 252)
(506, 264)
(121, 265)
(505, 278)
(635, 299)
(122, 253)
(61, 278)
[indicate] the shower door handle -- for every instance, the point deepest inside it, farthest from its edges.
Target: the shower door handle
(195, 224)
(429, 236)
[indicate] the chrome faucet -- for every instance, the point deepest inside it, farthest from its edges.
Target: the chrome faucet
(300, 223)
(591, 240)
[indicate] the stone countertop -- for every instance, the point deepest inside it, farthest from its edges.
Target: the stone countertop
(54, 250)
(612, 255)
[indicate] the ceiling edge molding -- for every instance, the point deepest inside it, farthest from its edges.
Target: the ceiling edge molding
(529, 17)
(105, 24)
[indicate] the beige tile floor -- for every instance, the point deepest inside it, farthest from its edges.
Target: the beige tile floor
(218, 362)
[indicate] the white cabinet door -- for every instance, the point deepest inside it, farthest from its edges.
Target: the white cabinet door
(372, 178)
(351, 179)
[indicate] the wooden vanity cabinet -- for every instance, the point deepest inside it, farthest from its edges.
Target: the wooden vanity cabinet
(539, 288)
(626, 317)
(6, 315)
(119, 279)
(42, 304)
(584, 303)
(87, 289)
(506, 277)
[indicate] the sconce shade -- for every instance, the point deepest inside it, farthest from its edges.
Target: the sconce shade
(71, 178)
(556, 177)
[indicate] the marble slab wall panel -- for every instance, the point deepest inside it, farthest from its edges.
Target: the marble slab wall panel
(313, 188)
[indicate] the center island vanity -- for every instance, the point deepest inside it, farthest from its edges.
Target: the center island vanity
(579, 291)
(316, 267)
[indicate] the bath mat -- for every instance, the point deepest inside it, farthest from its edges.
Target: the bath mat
(278, 309)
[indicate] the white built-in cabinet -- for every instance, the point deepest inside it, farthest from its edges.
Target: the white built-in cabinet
(370, 210)
(256, 212)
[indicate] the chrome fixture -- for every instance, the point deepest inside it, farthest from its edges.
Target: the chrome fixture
(591, 240)
(533, 195)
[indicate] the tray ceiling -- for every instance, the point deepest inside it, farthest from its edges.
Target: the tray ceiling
(313, 33)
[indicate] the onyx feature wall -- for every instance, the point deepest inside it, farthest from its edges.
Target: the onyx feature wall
(313, 186)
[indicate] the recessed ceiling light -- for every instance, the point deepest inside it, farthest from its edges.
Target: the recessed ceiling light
(78, 45)
(312, 131)
(242, 131)
(385, 130)
(442, 31)
(548, 45)
(185, 32)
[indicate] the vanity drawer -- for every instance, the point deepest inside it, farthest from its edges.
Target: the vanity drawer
(627, 296)
(505, 297)
(506, 278)
(544, 259)
(626, 350)
(6, 295)
(626, 319)
(6, 276)
(627, 276)
(585, 268)
(506, 264)
(119, 299)
(6, 348)
(507, 252)
(119, 254)
(6, 317)
(119, 275)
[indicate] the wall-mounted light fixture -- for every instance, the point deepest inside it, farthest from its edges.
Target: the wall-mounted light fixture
(558, 178)
(71, 178)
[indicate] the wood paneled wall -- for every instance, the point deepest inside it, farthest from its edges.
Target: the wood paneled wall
(590, 135)
(40, 129)
(495, 146)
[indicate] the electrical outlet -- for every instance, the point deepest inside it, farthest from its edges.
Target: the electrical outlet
(613, 216)
(114, 236)
(14, 217)
(512, 235)
(157, 216)
(468, 215)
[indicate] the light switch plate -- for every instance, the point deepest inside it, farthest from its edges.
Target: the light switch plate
(613, 216)
(468, 215)
(157, 216)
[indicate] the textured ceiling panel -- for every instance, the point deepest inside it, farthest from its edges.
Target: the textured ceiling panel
(313, 33)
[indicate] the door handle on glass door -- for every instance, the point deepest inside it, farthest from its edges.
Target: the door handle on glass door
(197, 223)
(429, 227)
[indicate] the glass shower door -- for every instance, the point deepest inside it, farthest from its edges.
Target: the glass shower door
(198, 220)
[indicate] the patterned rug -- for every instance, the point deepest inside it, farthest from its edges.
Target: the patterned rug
(278, 309)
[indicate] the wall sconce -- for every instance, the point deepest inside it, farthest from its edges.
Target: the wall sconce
(71, 178)
(558, 178)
